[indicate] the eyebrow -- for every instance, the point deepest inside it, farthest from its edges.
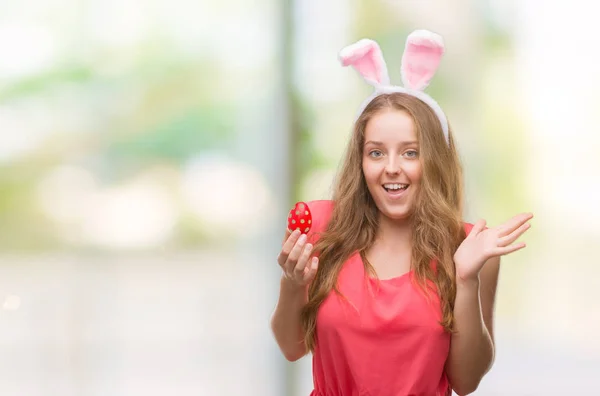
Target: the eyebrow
(377, 143)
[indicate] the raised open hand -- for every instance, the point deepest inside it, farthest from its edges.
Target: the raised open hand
(482, 244)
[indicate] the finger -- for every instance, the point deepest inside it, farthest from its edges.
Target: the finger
(303, 260)
(510, 249)
(477, 228)
(513, 236)
(286, 236)
(287, 247)
(514, 223)
(310, 272)
(292, 258)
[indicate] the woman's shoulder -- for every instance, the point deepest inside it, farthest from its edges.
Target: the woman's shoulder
(320, 206)
(468, 227)
(320, 211)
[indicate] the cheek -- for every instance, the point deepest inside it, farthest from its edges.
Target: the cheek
(415, 172)
(370, 172)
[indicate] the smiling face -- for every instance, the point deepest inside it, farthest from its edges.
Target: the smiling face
(391, 163)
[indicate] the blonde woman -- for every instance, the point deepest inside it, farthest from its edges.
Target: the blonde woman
(390, 290)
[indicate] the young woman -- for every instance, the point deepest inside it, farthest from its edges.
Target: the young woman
(391, 292)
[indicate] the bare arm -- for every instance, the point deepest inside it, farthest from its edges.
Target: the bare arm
(477, 262)
(298, 272)
(472, 345)
(285, 322)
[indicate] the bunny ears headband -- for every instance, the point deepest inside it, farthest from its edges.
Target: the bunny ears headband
(421, 58)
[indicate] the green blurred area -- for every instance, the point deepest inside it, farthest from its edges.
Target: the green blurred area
(170, 117)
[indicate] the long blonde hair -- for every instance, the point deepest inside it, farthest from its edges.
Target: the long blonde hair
(437, 216)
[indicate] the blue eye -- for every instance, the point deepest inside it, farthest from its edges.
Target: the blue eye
(412, 154)
(371, 154)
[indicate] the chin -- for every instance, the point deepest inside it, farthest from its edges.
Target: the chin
(394, 213)
(397, 215)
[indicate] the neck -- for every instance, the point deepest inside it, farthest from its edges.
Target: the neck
(394, 234)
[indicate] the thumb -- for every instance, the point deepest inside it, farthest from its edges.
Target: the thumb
(310, 272)
(477, 228)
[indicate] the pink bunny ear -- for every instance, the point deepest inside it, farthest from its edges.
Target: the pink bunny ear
(366, 58)
(421, 58)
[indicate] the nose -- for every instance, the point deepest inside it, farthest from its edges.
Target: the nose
(393, 166)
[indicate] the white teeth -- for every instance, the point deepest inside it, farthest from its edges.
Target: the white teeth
(395, 186)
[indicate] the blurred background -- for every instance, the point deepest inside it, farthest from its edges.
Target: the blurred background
(150, 151)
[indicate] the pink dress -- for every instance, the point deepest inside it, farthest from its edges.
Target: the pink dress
(385, 340)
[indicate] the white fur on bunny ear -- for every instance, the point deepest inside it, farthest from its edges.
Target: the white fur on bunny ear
(422, 55)
(366, 58)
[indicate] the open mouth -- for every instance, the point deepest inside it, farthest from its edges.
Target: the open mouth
(395, 188)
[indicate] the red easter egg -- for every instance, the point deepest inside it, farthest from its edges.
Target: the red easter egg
(300, 218)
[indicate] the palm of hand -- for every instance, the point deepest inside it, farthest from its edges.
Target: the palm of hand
(484, 243)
